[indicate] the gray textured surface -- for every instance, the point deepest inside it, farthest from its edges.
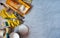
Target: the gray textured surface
(44, 19)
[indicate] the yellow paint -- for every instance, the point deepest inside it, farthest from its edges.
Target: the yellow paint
(13, 24)
(5, 14)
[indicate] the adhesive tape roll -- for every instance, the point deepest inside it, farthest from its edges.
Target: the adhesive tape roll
(23, 29)
(14, 35)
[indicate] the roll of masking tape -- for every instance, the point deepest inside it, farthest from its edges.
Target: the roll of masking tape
(23, 29)
(14, 35)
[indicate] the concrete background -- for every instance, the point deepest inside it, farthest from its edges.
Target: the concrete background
(44, 19)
